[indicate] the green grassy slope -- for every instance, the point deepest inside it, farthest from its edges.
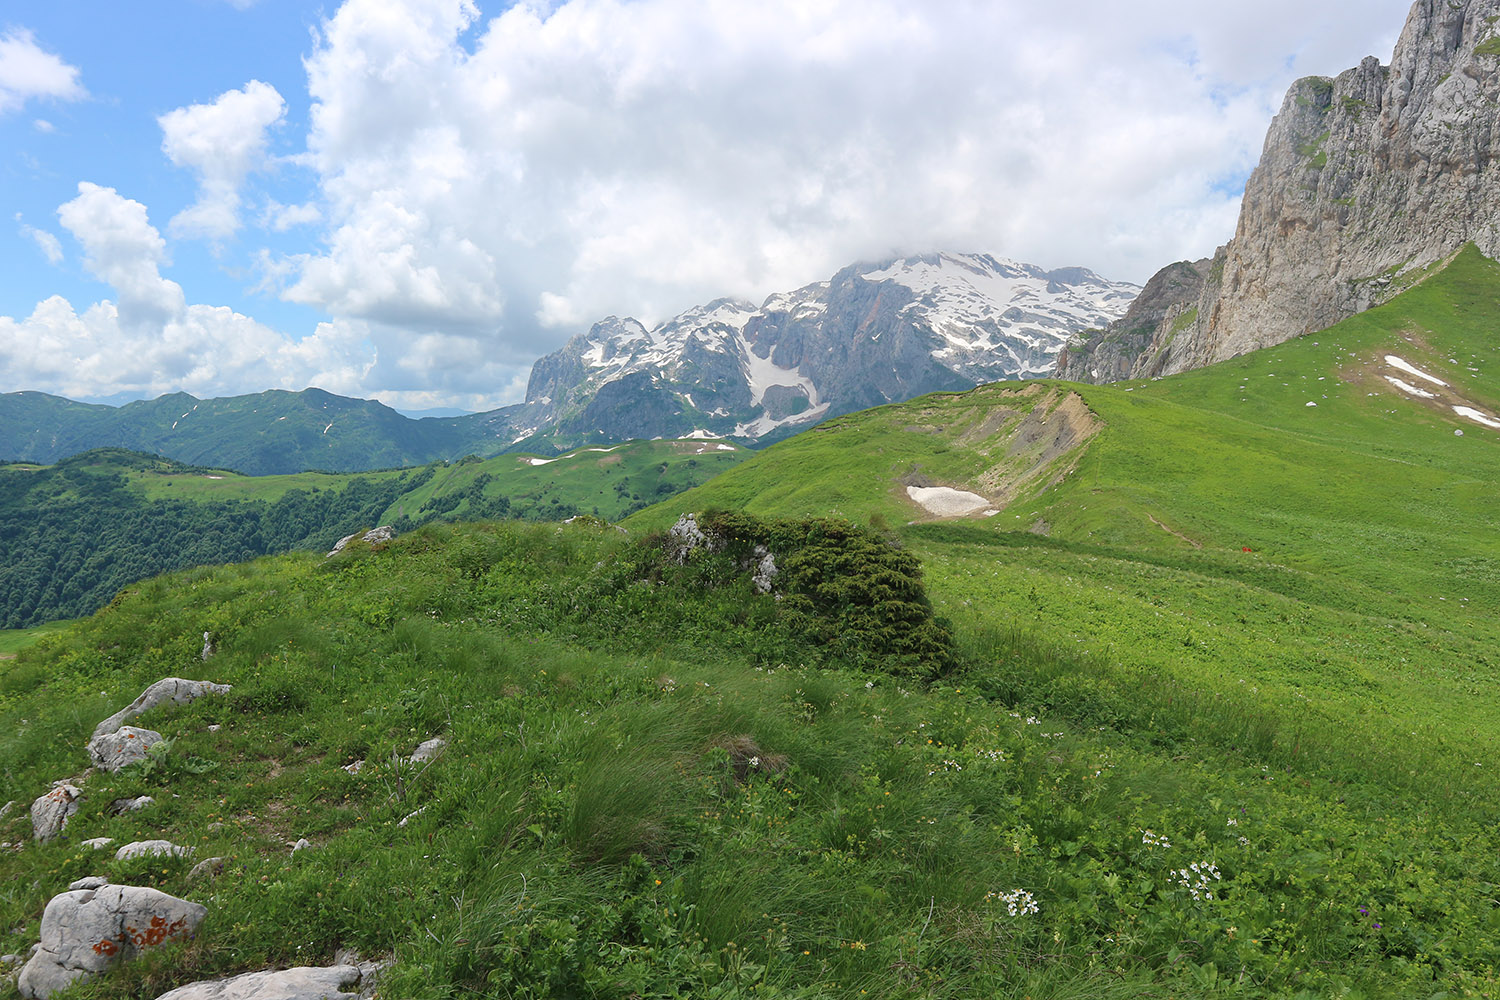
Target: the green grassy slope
(1371, 591)
(641, 797)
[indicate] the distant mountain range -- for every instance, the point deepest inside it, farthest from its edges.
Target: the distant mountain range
(872, 334)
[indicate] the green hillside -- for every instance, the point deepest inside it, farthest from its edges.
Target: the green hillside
(73, 534)
(1217, 718)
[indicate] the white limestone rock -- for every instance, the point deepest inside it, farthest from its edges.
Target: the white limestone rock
(329, 983)
(168, 690)
(152, 848)
(87, 930)
(51, 812)
(127, 745)
(375, 538)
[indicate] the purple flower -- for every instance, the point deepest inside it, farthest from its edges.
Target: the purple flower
(1364, 912)
(1376, 926)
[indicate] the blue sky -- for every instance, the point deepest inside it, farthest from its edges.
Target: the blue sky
(412, 200)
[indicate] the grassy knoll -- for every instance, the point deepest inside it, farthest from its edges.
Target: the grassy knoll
(653, 787)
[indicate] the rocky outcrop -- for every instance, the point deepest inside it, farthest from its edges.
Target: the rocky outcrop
(168, 690)
(1365, 180)
(375, 538)
(1167, 305)
(127, 745)
(50, 813)
(95, 925)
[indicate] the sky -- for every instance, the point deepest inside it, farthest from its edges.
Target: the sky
(413, 200)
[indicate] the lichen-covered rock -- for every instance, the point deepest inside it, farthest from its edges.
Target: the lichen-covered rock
(1365, 179)
(127, 745)
(85, 931)
(152, 848)
(168, 690)
(50, 813)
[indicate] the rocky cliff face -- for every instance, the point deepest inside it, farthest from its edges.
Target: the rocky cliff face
(1366, 179)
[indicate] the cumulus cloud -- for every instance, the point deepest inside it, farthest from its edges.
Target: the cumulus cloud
(511, 179)
(27, 71)
(222, 143)
(150, 340)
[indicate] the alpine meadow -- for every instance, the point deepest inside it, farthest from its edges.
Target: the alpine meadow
(1157, 655)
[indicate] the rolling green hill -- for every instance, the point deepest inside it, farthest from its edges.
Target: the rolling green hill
(1218, 717)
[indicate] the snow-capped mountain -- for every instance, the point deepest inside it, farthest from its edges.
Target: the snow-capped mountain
(874, 333)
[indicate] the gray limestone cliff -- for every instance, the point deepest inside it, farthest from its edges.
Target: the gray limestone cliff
(1366, 179)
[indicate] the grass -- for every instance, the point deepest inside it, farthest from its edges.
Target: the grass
(651, 789)
(14, 640)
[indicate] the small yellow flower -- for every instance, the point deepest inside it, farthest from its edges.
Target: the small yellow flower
(857, 945)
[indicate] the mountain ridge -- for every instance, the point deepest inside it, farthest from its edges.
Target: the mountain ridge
(873, 333)
(1366, 179)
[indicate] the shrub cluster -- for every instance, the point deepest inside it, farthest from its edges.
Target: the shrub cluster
(843, 588)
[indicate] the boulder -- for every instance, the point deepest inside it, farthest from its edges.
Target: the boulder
(173, 690)
(51, 812)
(374, 537)
(152, 848)
(119, 806)
(329, 983)
(128, 745)
(427, 751)
(85, 931)
(98, 843)
(207, 868)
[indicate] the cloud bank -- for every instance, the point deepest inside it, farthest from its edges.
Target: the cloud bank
(479, 185)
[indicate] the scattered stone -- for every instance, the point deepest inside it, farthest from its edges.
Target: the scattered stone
(85, 931)
(152, 848)
(5, 809)
(207, 868)
(356, 767)
(430, 750)
(98, 843)
(119, 806)
(302, 844)
(127, 745)
(685, 537)
(12, 959)
(375, 537)
(412, 815)
(51, 812)
(172, 690)
(215, 727)
(329, 983)
(209, 649)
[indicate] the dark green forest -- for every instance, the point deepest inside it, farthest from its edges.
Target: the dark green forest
(72, 535)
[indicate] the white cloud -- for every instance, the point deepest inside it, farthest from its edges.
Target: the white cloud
(28, 72)
(149, 340)
(511, 179)
(47, 243)
(43, 126)
(279, 218)
(222, 142)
